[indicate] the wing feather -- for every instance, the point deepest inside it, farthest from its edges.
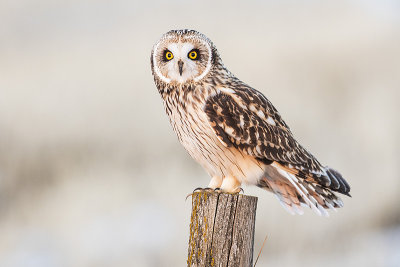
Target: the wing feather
(245, 119)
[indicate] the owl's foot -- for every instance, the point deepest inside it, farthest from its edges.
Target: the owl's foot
(215, 182)
(202, 189)
(207, 189)
(231, 185)
(237, 191)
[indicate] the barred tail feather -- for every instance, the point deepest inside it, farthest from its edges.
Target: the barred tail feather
(294, 192)
(308, 198)
(287, 197)
(338, 183)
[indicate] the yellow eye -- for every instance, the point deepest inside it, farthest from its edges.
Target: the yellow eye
(193, 55)
(168, 55)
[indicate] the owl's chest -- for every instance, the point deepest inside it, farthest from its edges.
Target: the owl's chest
(189, 122)
(191, 125)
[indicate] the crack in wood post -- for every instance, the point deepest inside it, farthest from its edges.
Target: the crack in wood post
(233, 227)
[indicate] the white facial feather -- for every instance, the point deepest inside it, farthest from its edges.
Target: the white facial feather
(180, 51)
(156, 68)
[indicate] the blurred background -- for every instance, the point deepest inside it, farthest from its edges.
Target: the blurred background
(91, 173)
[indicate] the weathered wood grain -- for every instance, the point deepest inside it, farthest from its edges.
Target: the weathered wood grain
(221, 229)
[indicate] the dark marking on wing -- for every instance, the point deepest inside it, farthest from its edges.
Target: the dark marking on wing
(247, 120)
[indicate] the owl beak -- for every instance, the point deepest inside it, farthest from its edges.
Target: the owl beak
(180, 65)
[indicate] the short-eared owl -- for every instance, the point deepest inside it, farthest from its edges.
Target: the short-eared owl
(233, 130)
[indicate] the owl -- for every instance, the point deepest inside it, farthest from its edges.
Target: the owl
(233, 131)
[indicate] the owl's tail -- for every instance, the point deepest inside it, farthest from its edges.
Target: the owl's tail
(338, 183)
(294, 192)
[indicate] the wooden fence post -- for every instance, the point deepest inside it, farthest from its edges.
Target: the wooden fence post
(221, 230)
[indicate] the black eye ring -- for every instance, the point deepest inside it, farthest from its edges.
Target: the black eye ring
(194, 54)
(167, 56)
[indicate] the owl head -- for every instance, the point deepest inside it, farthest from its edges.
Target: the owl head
(182, 56)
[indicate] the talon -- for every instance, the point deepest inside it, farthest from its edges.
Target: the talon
(188, 196)
(240, 190)
(197, 188)
(237, 191)
(218, 190)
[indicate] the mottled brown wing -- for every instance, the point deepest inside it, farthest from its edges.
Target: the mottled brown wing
(245, 119)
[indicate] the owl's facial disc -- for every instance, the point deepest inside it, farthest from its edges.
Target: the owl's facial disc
(182, 61)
